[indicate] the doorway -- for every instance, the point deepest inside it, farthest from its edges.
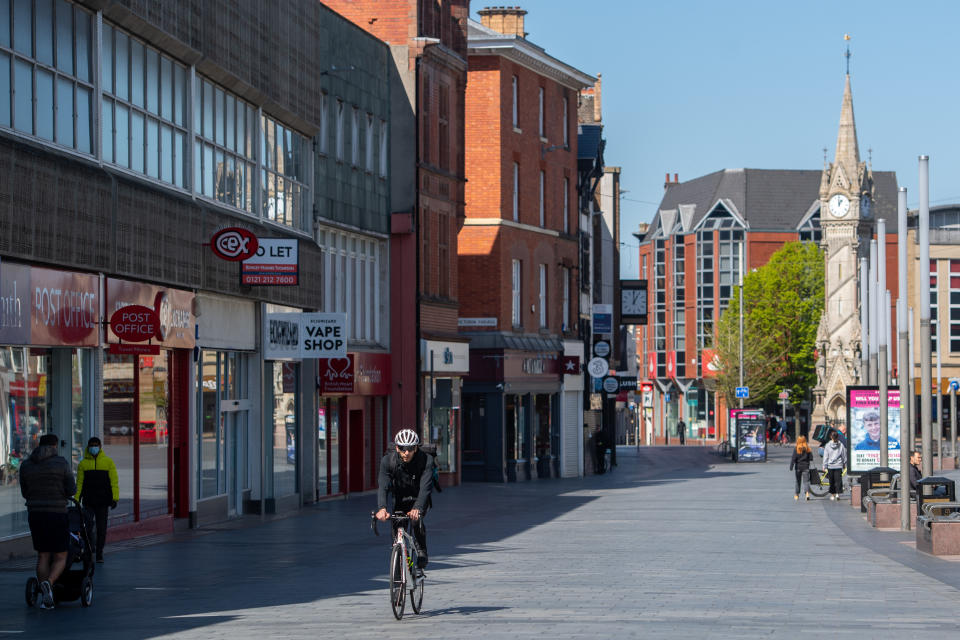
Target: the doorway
(356, 445)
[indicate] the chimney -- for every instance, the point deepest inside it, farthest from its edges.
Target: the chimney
(676, 177)
(506, 20)
(597, 104)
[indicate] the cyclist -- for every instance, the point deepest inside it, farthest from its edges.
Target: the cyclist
(407, 473)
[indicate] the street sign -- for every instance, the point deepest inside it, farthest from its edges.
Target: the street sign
(598, 367)
(784, 395)
(601, 349)
(955, 384)
(743, 392)
(611, 384)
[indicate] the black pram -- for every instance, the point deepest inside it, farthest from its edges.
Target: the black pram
(73, 584)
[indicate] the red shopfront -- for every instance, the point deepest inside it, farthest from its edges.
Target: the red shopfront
(352, 421)
(146, 415)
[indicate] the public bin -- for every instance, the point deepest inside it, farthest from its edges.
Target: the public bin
(875, 478)
(935, 489)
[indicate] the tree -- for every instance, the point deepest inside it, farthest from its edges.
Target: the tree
(782, 301)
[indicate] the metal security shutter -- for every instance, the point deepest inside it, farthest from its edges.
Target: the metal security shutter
(571, 434)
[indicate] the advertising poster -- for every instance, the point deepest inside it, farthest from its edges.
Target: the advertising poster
(863, 416)
(751, 436)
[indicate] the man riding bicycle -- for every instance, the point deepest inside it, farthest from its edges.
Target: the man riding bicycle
(407, 473)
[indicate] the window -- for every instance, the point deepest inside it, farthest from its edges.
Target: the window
(355, 137)
(565, 308)
(516, 192)
(443, 254)
(954, 322)
(566, 121)
(810, 230)
(224, 160)
(284, 176)
(339, 132)
(934, 312)
(566, 205)
(542, 125)
(516, 104)
(368, 143)
(324, 119)
(515, 316)
(705, 299)
(426, 122)
(543, 296)
(427, 253)
(46, 77)
(679, 316)
(660, 307)
(443, 124)
(383, 149)
(543, 214)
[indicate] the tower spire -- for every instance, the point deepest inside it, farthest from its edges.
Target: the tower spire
(846, 37)
(847, 153)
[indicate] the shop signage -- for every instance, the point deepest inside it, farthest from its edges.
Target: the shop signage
(671, 364)
(533, 365)
(710, 363)
(275, 262)
(14, 303)
(601, 349)
(372, 374)
(173, 307)
(441, 357)
(477, 322)
(603, 318)
(281, 336)
(570, 365)
(66, 308)
(336, 375)
(628, 383)
(652, 365)
(135, 323)
(598, 367)
(130, 348)
(304, 335)
(234, 244)
(611, 384)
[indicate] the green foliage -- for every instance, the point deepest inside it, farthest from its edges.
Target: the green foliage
(783, 301)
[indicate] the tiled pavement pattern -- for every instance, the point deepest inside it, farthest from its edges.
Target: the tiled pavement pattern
(676, 543)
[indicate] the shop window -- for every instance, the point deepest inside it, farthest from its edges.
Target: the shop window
(544, 443)
(282, 386)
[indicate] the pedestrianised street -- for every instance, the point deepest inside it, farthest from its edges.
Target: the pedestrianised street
(675, 543)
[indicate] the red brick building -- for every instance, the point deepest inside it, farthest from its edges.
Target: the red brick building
(519, 252)
(690, 255)
(429, 358)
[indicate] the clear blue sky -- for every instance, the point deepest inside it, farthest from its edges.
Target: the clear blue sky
(692, 87)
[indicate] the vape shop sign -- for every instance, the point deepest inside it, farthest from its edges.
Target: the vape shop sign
(300, 336)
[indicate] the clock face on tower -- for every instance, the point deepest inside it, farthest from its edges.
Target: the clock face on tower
(839, 205)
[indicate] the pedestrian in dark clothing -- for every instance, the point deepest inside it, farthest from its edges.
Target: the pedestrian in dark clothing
(600, 450)
(46, 483)
(98, 487)
(800, 462)
(915, 472)
(682, 431)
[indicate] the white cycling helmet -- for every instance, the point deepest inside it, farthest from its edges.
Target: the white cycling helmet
(406, 438)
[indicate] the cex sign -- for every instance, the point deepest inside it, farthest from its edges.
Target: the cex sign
(234, 244)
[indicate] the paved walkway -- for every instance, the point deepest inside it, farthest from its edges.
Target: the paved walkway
(676, 543)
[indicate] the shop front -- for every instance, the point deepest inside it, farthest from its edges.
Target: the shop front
(444, 365)
(512, 414)
(226, 370)
(146, 409)
(352, 411)
(49, 328)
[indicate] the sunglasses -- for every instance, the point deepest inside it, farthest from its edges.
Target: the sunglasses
(407, 448)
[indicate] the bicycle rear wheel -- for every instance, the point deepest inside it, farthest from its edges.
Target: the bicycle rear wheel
(821, 489)
(397, 591)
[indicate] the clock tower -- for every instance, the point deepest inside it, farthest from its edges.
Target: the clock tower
(846, 195)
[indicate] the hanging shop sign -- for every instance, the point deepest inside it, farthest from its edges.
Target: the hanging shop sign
(135, 323)
(710, 363)
(173, 309)
(304, 335)
(234, 244)
(570, 365)
(602, 318)
(275, 262)
(336, 375)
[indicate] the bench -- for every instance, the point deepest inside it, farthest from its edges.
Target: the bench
(882, 505)
(938, 527)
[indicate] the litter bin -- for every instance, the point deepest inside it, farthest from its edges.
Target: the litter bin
(935, 489)
(876, 478)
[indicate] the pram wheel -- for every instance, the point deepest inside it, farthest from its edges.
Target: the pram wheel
(86, 592)
(32, 591)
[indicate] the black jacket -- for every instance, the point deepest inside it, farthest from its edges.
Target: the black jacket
(801, 461)
(406, 480)
(46, 480)
(915, 475)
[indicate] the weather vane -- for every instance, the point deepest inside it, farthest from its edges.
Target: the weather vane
(846, 37)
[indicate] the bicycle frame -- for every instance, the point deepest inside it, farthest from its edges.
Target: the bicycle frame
(408, 548)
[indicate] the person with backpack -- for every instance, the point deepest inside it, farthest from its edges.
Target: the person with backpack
(408, 474)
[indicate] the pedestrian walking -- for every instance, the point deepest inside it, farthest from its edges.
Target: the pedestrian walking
(600, 451)
(800, 462)
(98, 488)
(46, 484)
(682, 431)
(834, 460)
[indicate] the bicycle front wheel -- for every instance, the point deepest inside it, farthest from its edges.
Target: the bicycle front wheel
(397, 591)
(416, 594)
(821, 489)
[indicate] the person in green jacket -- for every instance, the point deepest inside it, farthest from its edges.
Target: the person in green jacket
(98, 488)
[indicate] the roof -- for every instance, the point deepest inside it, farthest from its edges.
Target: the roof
(496, 340)
(765, 199)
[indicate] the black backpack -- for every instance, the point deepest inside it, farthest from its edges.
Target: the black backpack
(428, 449)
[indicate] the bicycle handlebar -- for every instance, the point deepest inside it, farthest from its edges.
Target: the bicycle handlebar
(397, 516)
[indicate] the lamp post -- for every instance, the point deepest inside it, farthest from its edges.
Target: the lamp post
(923, 293)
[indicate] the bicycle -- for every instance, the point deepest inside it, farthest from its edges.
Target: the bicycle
(822, 489)
(404, 574)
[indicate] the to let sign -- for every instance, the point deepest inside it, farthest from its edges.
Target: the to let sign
(275, 262)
